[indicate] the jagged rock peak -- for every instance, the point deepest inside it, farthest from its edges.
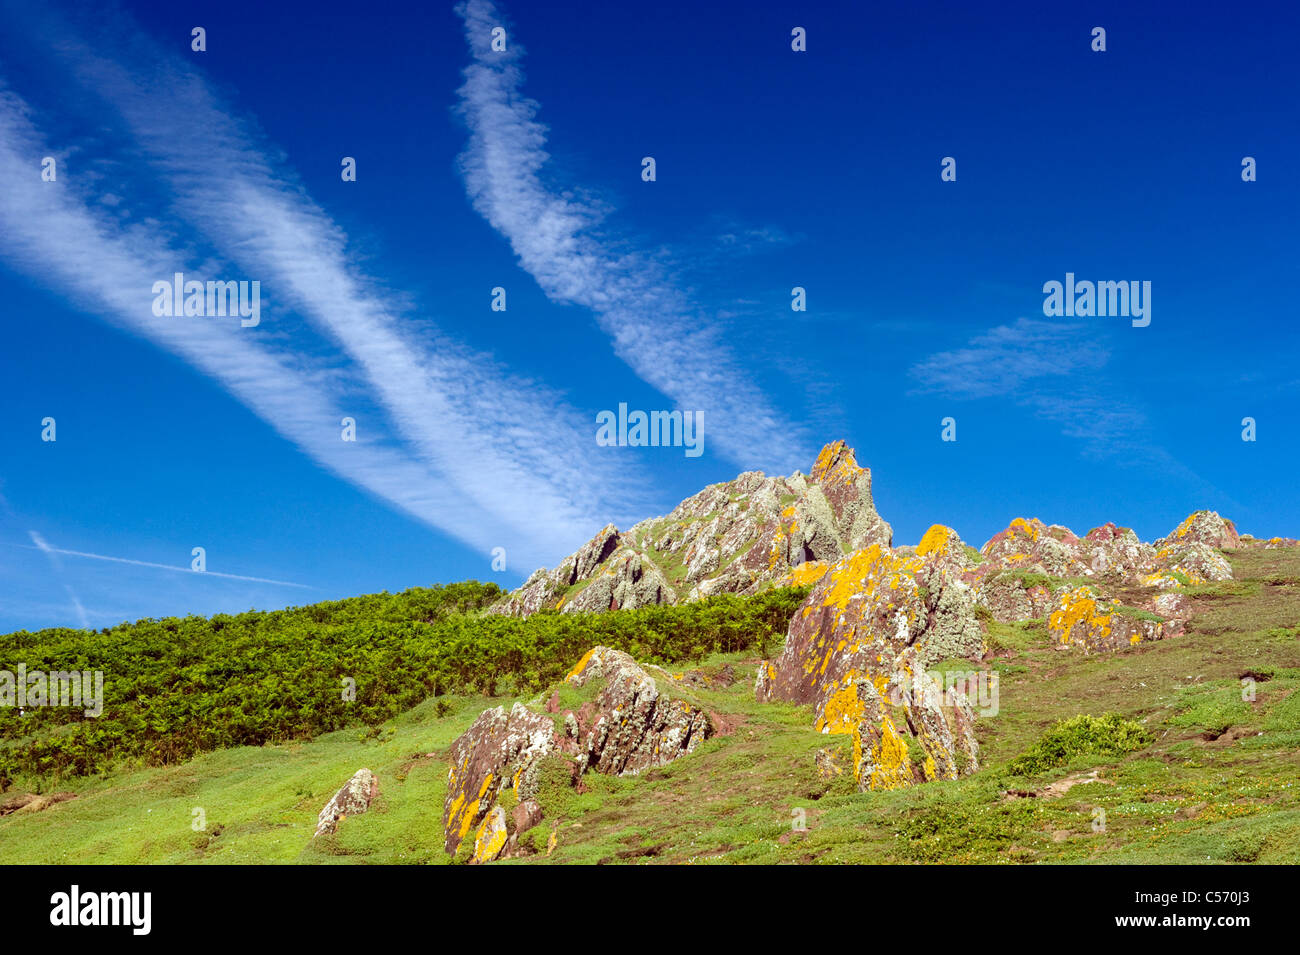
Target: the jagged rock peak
(734, 537)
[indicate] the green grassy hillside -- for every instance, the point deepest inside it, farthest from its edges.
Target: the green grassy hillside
(1212, 778)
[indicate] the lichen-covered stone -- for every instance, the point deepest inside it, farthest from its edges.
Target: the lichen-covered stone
(1086, 619)
(631, 726)
(1032, 546)
(1011, 597)
(881, 759)
(353, 799)
(628, 726)
(1250, 542)
(499, 749)
(1116, 551)
(829, 764)
(735, 537)
(492, 836)
(1204, 527)
(869, 626)
(862, 614)
(883, 715)
(1188, 563)
(941, 546)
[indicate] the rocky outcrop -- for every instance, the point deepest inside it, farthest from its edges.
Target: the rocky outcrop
(864, 612)
(353, 799)
(630, 726)
(1113, 551)
(1011, 596)
(624, 726)
(858, 648)
(1203, 527)
(734, 537)
(859, 643)
(1087, 619)
(1249, 542)
(500, 750)
(1030, 545)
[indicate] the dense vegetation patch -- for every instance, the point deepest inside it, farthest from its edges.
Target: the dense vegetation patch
(1108, 735)
(177, 687)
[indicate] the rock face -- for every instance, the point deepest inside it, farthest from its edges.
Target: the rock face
(863, 613)
(1203, 527)
(858, 646)
(858, 649)
(1010, 597)
(353, 799)
(630, 727)
(1030, 545)
(733, 537)
(499, 750)
(1035, 571)
(625, 725)
(1085, 618)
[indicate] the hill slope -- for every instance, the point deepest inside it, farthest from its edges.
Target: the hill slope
(1215, 782)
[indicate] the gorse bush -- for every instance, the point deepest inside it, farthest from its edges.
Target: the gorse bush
(177, 687)
(1108, 735)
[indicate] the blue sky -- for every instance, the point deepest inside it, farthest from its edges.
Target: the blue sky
(476, 169)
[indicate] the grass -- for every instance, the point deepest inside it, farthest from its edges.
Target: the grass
(1215, 777)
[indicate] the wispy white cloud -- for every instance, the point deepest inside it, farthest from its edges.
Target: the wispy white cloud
(1003, 360)
(464, 446)
(1048, 367)
(511, 446)
(50, 553)
(1051, 369)
(42, 545)
(655, 328)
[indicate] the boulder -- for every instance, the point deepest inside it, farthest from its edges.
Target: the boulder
(941, 545)
(1032, 546)
(627, 726)
(912, 732)
(1086, 619)
(1010, 596)
(1188, 563)
(862, 614)
(499, 749)
(1204, 527)
(866, 631)
(353, 799)
(1116, 551)
(631, 726)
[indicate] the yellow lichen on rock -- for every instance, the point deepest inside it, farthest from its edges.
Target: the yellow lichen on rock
(1075, 607)
(890, 765)
(491, 838)
(843, 710)
(859, 573)
(1021, 525)
(580, 666)
(806, 574)
(936, 540)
